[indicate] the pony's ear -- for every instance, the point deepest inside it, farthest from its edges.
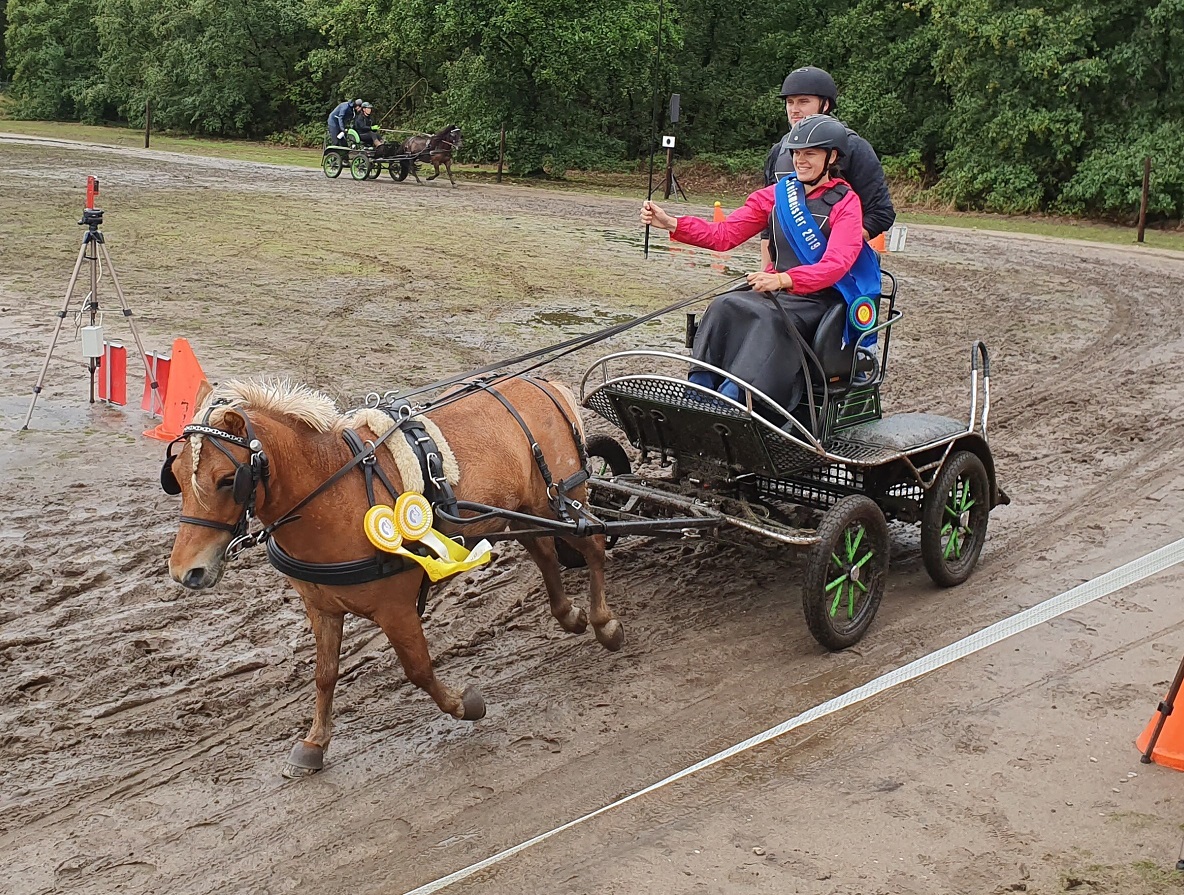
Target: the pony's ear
(234, 423)
(204, 390)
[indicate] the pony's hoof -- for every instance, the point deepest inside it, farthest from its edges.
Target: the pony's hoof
(611, 635)
(305, 760)
(473, 703)
(576, 621)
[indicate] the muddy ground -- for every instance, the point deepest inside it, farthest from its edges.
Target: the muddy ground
(143, 728)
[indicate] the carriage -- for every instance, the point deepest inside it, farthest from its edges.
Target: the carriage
(827, 478)
(367, 162)
(361, 161)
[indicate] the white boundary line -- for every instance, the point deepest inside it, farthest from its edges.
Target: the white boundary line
(1108, 583)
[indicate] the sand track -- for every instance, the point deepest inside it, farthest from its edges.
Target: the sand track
(142, 728)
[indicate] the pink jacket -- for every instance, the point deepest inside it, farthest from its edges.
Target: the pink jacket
(842, 246)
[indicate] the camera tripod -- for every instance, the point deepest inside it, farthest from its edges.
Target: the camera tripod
(92, 245)
(672, 185)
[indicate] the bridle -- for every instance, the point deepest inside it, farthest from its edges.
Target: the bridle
(247, 477)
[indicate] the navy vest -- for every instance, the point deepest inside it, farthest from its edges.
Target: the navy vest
(781, 247)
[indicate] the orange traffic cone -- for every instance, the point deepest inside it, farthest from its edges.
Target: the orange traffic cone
(877, 243)
(1162, 740)
(717, 215)
(180, 403)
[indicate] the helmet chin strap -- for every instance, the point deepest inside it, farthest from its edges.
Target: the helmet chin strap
(825, 171)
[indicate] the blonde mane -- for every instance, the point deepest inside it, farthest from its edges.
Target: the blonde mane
(279, 396)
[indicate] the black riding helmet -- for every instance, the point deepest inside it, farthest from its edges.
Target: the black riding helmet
(820, 132)
(811, 81)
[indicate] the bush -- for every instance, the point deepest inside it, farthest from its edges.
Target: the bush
(1109, 180)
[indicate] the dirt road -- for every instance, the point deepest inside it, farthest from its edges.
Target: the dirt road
(143, 727)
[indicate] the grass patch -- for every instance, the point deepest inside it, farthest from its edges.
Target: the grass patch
(242, 150)
(1059, 228)
(704, 184)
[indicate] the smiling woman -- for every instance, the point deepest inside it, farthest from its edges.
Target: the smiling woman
(758, 332)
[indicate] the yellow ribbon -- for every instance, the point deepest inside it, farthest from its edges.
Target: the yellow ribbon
(410, 519)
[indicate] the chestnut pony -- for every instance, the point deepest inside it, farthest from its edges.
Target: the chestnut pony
(300, 433)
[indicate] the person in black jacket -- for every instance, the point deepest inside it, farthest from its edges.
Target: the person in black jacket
(812, 91)
(364, 127)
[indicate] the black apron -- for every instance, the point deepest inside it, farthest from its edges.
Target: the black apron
(744, 333)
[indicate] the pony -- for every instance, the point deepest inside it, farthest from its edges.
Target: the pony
(436, 150)
(259, 447)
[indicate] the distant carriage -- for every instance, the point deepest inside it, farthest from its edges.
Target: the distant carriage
(399, 159)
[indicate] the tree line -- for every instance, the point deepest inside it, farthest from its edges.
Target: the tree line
(1003, 105)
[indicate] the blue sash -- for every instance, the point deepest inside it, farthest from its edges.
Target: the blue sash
(860, 286)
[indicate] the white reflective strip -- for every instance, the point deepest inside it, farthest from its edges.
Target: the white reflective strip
(1116, 579)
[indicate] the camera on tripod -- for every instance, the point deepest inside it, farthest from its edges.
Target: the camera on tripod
(91, 217)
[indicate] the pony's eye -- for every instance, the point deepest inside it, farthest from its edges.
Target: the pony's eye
(226, 481)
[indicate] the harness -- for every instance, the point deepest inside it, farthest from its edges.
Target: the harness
(256, 471)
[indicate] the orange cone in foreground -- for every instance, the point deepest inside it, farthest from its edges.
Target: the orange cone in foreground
(877, 243)
(1169, 747)
(180, 403)
(717, 215)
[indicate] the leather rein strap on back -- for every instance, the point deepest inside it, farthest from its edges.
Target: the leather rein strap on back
(564, 507)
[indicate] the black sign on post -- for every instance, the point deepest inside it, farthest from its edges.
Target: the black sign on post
(674, 100)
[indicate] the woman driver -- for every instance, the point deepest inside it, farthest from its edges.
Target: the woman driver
(742, 331)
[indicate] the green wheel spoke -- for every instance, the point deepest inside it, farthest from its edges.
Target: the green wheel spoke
(847, 538)
(851, 548)
(838, 562)
(834, 606)
(866, 557)
(862, 586)
(953, 510)
(838, 581)
(953, 546)
(851, 602)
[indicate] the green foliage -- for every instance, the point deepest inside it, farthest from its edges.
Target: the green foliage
(1001, 105)
(49, 46)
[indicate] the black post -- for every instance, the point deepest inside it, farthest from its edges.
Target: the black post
(501, 154)
(1146, 190)
(669, 170)
(147, 121)
(1165, 708)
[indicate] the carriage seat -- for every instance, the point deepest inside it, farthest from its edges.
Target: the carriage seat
(828, 344)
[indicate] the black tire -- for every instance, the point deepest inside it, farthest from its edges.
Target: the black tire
(331, 164)
(605, 454)
(404, 170)
(375, 170)
(850, 561)
(954, 516)
(359, 167)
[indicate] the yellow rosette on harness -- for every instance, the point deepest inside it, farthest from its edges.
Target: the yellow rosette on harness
(410, 519)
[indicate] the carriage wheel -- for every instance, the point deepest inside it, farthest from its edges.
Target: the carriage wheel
(404, 170)
(846, 573)
(954, 515)
(375, 170)
(359, 167)
(396, 171)
(605, 455)
(331, 164)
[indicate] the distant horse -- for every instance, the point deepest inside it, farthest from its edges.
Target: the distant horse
(265, 446)
(436, 150)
